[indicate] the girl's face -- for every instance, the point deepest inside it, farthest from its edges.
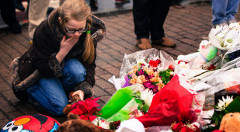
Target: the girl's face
(75, 28)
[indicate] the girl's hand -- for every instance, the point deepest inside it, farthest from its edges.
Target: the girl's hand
(67, 44)
(78, 93)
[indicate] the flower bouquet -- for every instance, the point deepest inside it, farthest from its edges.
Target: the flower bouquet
(151, 68)
(225, 37)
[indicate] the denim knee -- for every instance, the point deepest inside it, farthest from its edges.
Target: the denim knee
(49, 94)
(74, 72)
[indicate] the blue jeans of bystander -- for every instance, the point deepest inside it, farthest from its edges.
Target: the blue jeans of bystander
(51, 93)
(224, 11)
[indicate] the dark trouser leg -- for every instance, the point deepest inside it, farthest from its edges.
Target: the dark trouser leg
(159, 13)
(141, 15)
(93, 5)
(9, 15)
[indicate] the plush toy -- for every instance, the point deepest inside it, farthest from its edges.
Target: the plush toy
(206, 53)
(230, 122)
(74, 124)
(31, 123)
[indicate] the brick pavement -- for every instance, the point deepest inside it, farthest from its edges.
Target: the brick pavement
(185, 26)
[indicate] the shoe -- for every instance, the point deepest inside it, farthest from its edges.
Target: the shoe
(31, 41)
(15, 28)
(231, 21)
(143, 44)
(221, 25)
(164, 41)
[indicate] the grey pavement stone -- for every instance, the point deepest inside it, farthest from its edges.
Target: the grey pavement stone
(184, 26)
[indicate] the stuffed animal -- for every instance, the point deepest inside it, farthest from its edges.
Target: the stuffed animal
(31, 123)
(74, 124)
(230, 122)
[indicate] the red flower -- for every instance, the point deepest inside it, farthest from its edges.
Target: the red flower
(88, 117)
(154, 63)
(176, 127)
(171, 67)
(86, 108)
(186, 129)
(217, 131)
(211, 67)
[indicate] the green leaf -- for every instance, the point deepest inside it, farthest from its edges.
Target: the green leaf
(165, 75)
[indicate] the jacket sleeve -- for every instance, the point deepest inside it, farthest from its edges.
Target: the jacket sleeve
(44, 52)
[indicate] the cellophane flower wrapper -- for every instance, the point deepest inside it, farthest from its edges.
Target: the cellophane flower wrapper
(116, 102)
(225, 78)
(172, 103)
(225, 37)
(122, 105)
(143, 56)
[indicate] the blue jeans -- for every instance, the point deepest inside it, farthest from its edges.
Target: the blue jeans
(51, 93)
(224, 10)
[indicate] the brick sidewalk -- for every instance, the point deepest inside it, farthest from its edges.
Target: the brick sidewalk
(185, 26)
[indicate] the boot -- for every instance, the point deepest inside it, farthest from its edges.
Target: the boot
(143, 44)
(164, 41)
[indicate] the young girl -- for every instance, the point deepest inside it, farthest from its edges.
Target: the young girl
(61, 59)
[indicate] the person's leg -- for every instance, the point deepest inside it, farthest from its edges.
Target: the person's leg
(232, 9)
(37, 13)
(219, 8)
(159, 13)
(93, 5)
(49, 94)
(9, 16)
(73, 73)
(141, 15)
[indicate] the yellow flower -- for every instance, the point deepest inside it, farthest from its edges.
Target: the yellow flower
(142, 78)
(149, 71)
(156, 79)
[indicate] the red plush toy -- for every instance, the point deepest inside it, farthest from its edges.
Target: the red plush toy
(35, 122)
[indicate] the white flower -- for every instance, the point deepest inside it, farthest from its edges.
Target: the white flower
(142, 61)
(222, 104)
(101, 123)
(137, 88)
(147, 96)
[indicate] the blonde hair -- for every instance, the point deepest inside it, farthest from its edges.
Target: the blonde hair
(80, 11)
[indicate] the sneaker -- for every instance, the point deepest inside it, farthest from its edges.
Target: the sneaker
(221, 25)
(143, 44)
(164, 41)
(231, 21)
